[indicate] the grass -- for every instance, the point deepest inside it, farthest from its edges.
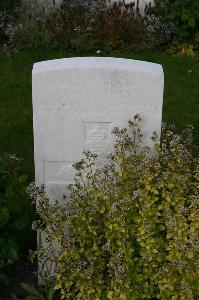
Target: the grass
(181, 97)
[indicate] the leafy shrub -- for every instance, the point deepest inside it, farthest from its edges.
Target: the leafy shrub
(184, 15)
(92, 24)
(130, 230)
(96, 25)
(83, 26)
(8, 27)
(16, 215)
(33, 35)
(158, 32)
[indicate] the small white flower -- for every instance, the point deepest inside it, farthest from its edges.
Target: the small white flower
(98, 51)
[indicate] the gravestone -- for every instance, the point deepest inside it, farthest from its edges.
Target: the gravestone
(76, 104)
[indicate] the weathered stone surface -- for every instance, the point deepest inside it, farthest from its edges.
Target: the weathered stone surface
(76, 104)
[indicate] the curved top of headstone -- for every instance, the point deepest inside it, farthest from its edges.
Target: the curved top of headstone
(97, 62)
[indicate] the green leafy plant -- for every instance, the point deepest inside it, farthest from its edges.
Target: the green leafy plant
(16, 214)
(82, 25)
(8, 16)
(184, 15)
(130, 228)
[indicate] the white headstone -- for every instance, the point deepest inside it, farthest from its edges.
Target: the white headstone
(76, 104)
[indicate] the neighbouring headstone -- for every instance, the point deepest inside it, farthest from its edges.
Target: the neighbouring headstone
(76, 104)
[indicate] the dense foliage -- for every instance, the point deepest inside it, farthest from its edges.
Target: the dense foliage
(86, 26)
(9, 14)
(130, 230)
(184, 16)
(93, 25)
(16, 214)
(83, 26)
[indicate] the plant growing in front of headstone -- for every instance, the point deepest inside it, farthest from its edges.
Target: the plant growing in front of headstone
(130, 229)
